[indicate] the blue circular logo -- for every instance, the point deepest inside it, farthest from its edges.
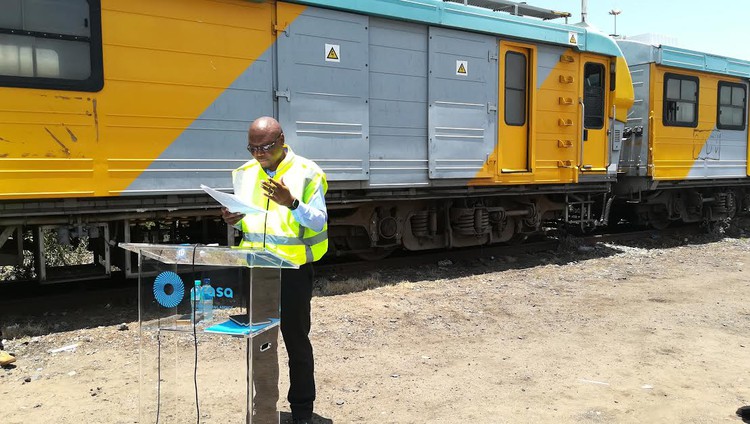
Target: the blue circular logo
(168, 289)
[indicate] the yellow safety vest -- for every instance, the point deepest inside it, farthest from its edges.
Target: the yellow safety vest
(277, 230)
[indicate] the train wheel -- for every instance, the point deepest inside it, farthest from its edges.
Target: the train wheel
(659, 218)
(360, 247)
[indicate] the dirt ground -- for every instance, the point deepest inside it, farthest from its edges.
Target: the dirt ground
(655, 331)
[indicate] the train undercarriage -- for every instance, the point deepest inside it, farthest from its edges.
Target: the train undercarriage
(36, 240)
(660, 205)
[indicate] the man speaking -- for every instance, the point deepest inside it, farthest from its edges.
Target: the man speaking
(292, 189)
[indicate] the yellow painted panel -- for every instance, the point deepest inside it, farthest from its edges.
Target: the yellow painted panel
(227, 13)
(218, 39)
(560, 100)
(36, 173)
(31, 165)
(624, 95)
(558, 122)
(673, 151)
(46, 142)
(39, 123)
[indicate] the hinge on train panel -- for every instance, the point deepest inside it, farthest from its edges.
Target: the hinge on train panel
(285, 93)
(491, 108)
(491, 56)
(281, 28)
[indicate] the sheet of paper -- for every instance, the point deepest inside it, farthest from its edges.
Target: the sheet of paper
(232, 202)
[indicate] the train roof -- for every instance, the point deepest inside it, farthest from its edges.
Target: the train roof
(480, 19)
(516, 8)
(637, 53)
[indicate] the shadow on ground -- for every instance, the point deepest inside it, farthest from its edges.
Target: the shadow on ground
(570, 250)
(286, 418)
(744, 413)
(36, 310)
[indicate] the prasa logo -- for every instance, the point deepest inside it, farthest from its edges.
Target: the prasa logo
(223, 292)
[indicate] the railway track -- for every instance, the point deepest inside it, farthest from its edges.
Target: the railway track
(28, 299)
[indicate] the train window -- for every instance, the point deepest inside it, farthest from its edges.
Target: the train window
(54, 44)
(680, 100)
(515, 89)
(593, 95)
(732, 105)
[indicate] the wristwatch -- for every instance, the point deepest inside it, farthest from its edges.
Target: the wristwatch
(295, 203)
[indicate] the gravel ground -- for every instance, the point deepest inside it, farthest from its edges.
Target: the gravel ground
(651, 331)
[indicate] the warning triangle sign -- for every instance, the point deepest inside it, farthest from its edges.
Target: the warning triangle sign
(332, 55)
(573, 39)
(461, 69)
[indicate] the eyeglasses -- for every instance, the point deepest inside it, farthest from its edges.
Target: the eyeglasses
(254, 150)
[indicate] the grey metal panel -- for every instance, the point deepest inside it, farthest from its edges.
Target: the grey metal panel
(462, 109)
(724, 155)
(215, 143)
(634, 154)
(617, 129)
(637, 53)
(398, 104)
(547, 58)
(325, 115)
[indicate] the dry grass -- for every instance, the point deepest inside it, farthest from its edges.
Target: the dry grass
(25, 329)
(350, 285)
(56, 255)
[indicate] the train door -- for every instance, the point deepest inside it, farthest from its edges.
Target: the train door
(462, 109)
(323, 88)
(514, 96)
(594, 89)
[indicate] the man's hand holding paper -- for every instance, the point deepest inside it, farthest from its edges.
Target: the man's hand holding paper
(232, 203)
(231, 218)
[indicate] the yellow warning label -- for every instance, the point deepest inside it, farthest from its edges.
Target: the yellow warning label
(572, 38)
(462, 68)
(332, 52)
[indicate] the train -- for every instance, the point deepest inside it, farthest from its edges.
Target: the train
(685, 154)
(439, 124)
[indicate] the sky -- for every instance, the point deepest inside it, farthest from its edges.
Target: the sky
(716, 26)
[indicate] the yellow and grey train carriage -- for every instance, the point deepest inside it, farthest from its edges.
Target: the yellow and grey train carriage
(685, 154)
(439, 124)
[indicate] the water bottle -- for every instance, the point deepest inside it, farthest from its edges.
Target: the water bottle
(196, 302)
(208, 300)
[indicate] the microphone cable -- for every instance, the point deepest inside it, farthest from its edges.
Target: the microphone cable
(158, 372)
(195, 340)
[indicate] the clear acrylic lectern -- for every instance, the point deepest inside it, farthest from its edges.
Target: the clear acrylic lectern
(210, 352)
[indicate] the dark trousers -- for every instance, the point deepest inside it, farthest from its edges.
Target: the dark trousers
(296, 293)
